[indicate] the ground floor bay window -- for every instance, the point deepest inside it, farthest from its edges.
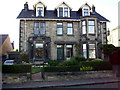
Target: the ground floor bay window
(89, 51)
(92, 53)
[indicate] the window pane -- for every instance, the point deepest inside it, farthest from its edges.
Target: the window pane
(68, 46)
(91, 46)
(42, 31)
(69, 31)
(59, 31)
(36, 28)
(85, 10)
(84, 29)
(42, 25)
(91, 53)
(40, 11)
(91, 22)
(84, 46)
(91, 29)
(69, 24)
(83, 23)
(61, 11)
(85, 53)
(59, 25)
(66, 12)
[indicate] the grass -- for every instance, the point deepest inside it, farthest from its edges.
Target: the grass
(36, 70)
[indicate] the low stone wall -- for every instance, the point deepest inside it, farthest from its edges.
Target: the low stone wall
(59, 76)
(16, 78)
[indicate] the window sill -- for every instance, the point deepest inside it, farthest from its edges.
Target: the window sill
(59, 35)
(70, 35)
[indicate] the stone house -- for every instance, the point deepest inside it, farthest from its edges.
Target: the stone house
(54, 34)
(5, 45)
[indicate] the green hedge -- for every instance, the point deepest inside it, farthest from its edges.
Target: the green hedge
(84, 66)
(17, 68)
(98, 65)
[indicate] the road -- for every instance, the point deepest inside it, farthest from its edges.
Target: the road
(107, 85)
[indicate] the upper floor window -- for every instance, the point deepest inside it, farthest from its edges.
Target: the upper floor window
(85, 12)
(66, 12)
(39, 28)
(91, 27)
(69, 29)
(40, 11)
(83, 27)
(59, 29)
(60, 12)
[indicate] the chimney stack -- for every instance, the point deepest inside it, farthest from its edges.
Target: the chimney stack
(26, 6)
(93, 8)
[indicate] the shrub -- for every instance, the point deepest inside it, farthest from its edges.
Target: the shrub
(24, 57)
(88, 68)
(96, 60)
(17, 68)
(53, 62)
(100, 65)
(108, 49)
(84, 66)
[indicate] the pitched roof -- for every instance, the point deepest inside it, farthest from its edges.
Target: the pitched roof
(51, 14)
(63, 3)
(3, 38)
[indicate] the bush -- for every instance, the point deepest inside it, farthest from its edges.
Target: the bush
(62, 69)
(108, 49)
(100, 65)
(94, 60)
(24, 57)
(17, 68)
(53, 62)
(84, 66)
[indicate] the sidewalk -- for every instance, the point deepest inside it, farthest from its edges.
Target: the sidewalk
(38, 84)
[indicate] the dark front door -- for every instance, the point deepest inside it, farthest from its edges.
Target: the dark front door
(60, 53)
(39, 51)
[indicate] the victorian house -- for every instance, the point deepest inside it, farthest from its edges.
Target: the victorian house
(53, 34)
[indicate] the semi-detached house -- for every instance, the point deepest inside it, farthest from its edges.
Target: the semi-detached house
(55, 34)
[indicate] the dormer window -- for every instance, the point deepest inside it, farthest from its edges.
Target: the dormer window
(66, 12)
(60, 12)
(63, 10)
(40, 11)
(85, 12)
(85, 9)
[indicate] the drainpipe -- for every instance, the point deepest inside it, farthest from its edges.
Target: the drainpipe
(25, 35)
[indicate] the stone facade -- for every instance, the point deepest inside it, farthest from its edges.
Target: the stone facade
(53, 46)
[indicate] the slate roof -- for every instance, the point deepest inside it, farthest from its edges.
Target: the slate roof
(2, 38)
(51, 14)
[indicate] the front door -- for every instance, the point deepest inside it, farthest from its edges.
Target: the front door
(60, 53)
(39, 51)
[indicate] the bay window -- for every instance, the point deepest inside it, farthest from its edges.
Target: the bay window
(92, 51)
(85, 50)
(83, 27)
(91, 27)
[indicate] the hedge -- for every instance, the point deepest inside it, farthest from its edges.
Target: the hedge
(84, 66)
(17, 68)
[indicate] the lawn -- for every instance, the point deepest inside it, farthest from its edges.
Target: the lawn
(36, 70)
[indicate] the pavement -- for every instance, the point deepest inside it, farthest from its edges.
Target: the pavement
(52, 84)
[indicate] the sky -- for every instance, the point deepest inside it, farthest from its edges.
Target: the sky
(10, 9)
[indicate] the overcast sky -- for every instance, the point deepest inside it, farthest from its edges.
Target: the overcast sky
(10, 9)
